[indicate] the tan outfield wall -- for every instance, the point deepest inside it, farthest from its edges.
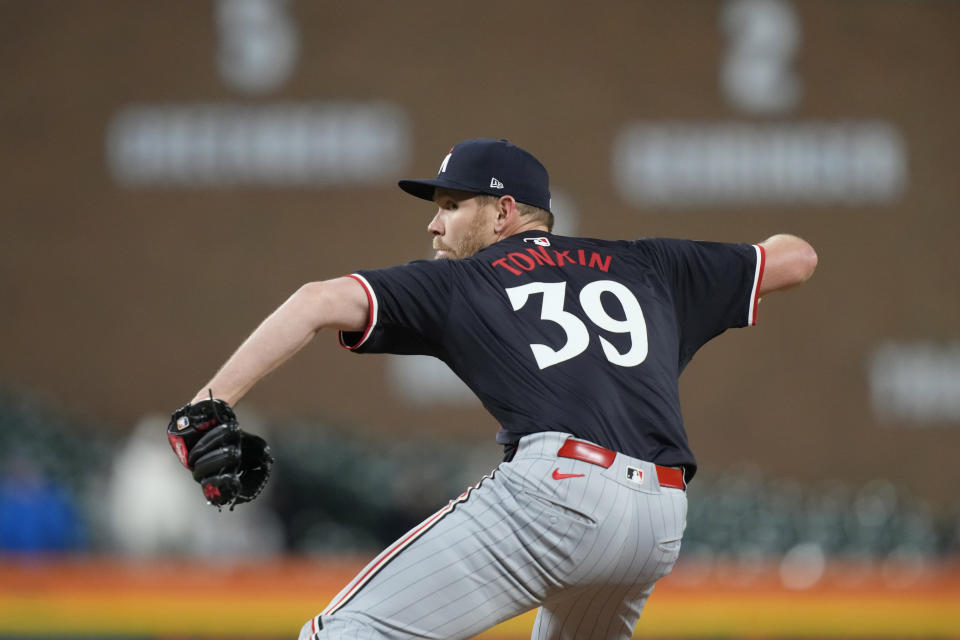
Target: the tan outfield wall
(173, 171)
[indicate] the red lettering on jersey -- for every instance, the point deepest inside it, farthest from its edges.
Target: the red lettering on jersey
(538, 257)
(561, 256)
(502, 262)
(525, 262)
(595, 261)
(541, 256)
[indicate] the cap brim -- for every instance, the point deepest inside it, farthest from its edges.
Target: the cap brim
(423, 189)
(426, 188)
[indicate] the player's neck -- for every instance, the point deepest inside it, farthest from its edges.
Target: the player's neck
(521, 227)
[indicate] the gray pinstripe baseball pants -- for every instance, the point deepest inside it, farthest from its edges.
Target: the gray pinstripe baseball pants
(586, 549)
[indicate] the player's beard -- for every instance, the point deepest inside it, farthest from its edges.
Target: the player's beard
(472, 241)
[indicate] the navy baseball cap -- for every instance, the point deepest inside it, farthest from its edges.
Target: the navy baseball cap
(493, 167)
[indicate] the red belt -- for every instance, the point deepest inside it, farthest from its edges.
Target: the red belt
(587, 452)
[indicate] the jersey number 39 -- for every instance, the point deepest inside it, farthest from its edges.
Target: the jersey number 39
(578, 335)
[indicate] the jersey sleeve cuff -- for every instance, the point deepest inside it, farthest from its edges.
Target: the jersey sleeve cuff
(353, 340)
(757, 280)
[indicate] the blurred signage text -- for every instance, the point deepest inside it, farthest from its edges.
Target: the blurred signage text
(916, 382)
(704, 164)
(313, 144)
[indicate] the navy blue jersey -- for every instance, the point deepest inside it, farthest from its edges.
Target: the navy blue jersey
(577, 335)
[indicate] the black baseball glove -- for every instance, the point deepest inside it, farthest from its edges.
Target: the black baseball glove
(231, 465)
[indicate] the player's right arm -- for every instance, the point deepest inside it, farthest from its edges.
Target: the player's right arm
(340, 304)
(788, 261)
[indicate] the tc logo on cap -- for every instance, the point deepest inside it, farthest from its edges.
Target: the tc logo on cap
(443, 165)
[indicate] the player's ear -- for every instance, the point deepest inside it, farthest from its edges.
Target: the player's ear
(506, 213)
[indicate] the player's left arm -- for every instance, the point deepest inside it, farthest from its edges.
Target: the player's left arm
(788, 261)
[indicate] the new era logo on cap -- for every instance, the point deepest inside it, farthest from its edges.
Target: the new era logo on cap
(484, 165)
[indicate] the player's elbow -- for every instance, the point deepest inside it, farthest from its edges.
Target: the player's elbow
(306, 306)
(805, 261)
(790, 261)
(311, 293)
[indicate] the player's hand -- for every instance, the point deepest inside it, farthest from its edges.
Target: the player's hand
(231, 465)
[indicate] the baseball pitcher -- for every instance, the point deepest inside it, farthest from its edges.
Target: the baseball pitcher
(575, 345)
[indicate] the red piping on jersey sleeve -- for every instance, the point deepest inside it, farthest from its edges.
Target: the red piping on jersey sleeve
(755, 294)
(371, 313)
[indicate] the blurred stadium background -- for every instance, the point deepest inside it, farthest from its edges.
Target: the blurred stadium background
(173, 171)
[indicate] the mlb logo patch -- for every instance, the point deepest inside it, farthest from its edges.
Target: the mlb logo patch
(543, 242)
(635, 475)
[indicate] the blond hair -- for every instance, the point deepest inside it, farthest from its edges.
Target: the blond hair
(525, 210)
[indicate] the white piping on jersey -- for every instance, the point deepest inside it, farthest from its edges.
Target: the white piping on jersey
(372, 313)
(757, 279)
